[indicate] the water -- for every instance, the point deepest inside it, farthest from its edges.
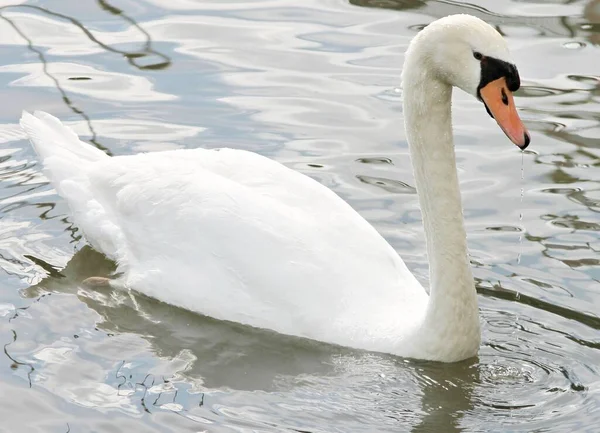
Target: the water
(315, 85)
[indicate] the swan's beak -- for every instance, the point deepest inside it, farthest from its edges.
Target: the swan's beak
(500, 105)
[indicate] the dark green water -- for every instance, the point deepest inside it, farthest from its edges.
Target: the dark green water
(313, 84)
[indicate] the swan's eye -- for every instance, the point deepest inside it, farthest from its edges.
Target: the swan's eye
(477, 55)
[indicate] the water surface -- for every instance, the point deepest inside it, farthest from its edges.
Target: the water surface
(315, 85)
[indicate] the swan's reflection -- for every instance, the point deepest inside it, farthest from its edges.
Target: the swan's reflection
(447, 396)
(228, 355)
(592, 13)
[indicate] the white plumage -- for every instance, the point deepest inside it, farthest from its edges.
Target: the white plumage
(233, 235)
(237, 236)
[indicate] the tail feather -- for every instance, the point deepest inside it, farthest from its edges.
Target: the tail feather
(63, 154)
(67, 162)
(51, 138)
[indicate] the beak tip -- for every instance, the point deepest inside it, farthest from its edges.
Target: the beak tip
(526, 141)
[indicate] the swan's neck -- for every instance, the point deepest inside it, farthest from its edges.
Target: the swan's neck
(452, 312)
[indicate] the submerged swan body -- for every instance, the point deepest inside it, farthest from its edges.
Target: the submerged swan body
(237, 236)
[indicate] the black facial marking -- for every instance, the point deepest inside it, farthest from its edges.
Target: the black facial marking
(492, 69)
(527, 141)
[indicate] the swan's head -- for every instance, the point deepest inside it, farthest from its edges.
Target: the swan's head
(468, 53)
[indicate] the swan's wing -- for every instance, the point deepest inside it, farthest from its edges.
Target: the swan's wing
(263, 175)
(270, 240)
(233, 235)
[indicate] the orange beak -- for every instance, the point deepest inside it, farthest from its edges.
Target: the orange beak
(501, 105)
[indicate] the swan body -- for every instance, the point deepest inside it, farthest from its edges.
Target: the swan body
(239, 237)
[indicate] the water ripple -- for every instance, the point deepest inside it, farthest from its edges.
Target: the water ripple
(316, 86)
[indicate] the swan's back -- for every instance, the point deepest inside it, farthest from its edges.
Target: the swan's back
(235, 236)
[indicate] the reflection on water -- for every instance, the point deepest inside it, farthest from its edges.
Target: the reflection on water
(132, 57)
(314, 85)
(197, 356)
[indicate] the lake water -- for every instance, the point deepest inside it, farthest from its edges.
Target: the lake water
(315, 85)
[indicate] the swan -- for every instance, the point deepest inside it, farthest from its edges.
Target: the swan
(236, 236)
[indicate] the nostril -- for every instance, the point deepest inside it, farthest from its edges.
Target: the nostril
(504, 97)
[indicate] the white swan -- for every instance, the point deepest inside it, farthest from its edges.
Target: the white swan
(236, 236)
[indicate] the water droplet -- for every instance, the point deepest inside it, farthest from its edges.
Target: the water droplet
(521, 205)
(574, 45)
(397, 90)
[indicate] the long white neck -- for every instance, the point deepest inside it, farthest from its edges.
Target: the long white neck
(451, 325)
